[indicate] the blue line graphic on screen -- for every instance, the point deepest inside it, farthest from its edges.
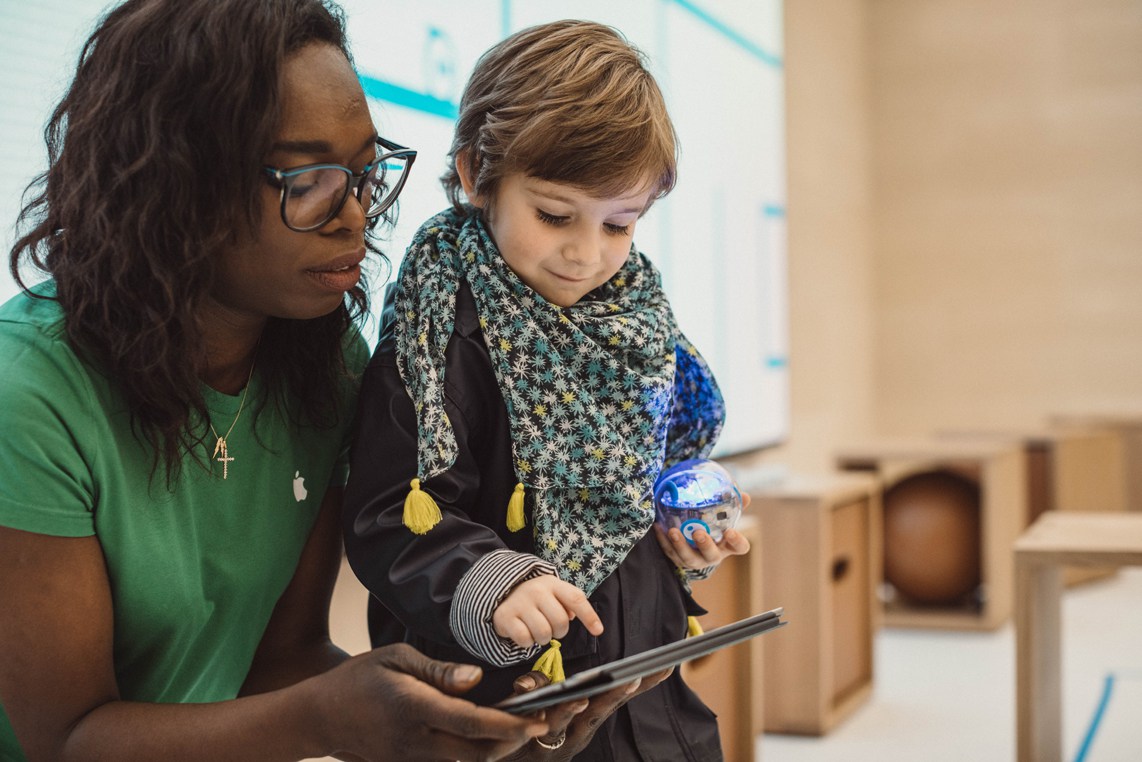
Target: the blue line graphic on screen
(770, 359)
(428, 103)
(439, 64)
(402, 96)
(728, 32)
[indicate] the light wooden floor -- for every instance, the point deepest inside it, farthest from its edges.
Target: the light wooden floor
(942, 696)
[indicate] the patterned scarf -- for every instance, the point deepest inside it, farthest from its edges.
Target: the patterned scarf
(600, 394)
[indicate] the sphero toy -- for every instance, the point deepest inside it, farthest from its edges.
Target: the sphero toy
(697, 494)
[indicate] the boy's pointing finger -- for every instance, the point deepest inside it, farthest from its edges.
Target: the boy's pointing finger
(578, 606)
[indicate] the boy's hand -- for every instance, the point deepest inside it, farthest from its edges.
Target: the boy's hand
(707, 552)
(541, 609)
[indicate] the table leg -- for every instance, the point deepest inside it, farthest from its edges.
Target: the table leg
(1038, 654)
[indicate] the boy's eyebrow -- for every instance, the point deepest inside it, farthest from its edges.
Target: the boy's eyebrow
(556, 196)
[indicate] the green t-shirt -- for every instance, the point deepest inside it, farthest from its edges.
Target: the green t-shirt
(195, 569)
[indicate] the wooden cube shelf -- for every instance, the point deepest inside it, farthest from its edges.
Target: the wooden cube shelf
(999, 468)
(1073, 469)
(1127, 426)
(821, 561)
(728, 680)
(1069, 468)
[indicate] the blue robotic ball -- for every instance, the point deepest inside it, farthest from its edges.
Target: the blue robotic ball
(697, 494)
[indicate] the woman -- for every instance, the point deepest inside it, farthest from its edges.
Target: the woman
(175, 404)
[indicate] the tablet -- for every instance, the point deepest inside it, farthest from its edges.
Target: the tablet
(606, 676)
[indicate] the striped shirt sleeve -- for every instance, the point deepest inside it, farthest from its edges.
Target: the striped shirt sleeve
(479, 592)
(697, 575)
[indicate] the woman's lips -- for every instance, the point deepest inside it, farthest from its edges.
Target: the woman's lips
(340, 274)
(337, 280)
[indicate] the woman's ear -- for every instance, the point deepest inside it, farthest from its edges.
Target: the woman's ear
(467, 178)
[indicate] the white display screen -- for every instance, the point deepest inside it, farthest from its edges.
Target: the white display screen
(718, 238)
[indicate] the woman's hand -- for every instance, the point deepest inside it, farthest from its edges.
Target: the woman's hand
(572, 725)
(705, 552)
(541, 609)
(60, 693)
(391, 703)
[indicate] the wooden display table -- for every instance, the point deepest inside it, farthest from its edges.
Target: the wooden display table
(1055, 540)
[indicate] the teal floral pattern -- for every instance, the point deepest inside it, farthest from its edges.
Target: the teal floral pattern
(599, 394)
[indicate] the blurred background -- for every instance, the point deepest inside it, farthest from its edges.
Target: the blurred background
(965, 214)
(957, 185)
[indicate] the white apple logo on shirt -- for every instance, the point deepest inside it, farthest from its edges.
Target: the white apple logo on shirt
(299, 490)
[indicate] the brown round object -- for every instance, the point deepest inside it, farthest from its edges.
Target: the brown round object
(932, 537)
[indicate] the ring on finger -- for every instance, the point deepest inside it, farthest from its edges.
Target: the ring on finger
(552, 745)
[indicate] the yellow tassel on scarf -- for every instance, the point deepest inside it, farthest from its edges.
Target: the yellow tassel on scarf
(515, 509)
(421, 512)
(551, 663)
(693, 627)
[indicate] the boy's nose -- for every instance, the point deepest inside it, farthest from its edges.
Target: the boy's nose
(583, 250)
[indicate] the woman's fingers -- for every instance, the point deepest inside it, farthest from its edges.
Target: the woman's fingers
(560, 716)
(650, 681)
(530, 682)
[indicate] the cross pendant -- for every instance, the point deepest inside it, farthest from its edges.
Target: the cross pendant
(222, 455)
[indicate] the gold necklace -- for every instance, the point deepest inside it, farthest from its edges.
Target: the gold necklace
(221, 449)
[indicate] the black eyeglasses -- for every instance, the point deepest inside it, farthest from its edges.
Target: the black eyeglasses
(314, 194)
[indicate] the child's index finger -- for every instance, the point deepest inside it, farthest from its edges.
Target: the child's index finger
(577, 605)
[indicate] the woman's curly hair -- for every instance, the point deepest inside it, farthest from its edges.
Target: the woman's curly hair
(154, 171)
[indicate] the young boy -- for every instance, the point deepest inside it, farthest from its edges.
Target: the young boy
(529, 385)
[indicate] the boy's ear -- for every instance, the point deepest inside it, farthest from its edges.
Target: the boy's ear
(467, 178)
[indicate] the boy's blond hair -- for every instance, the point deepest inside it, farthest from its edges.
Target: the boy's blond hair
(569, 102)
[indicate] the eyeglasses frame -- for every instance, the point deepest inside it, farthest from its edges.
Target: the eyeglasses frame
(355, 185)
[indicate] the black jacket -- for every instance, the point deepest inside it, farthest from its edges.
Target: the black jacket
(641, 604)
